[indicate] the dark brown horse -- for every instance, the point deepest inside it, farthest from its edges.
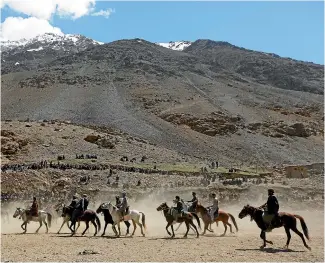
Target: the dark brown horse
(87, 216)
(286, 220)
(222, 216)
(187, 219)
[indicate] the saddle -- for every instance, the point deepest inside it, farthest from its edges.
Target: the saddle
(215, 213)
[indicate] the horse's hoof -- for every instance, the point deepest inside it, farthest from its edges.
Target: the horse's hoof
(144, 235)
(102, 235)
(184, 236)
(262, 247)
(309, 248)
(271, 242)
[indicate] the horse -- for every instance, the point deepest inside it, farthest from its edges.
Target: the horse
(109, 220)
(222, 216)
(87, 216)
(186, 209)
(286, 220)
(133, 215)
(188, 219)
(41, 218)
(66, 214)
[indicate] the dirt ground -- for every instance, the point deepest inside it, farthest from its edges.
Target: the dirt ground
(157, 246)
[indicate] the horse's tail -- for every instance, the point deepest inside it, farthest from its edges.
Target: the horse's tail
(197, 219)
(233, 221)
(143, 220)
(303, 225)
(98, 222)
(49, 219)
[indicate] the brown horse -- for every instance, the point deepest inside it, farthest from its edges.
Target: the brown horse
(87, 216)
(286, 220)
(188, 219)
(222, 216)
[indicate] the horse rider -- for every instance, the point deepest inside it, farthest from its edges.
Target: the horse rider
(118, 201)
(179, 207)
(194, 202)
(34, 208)
(272, 209)
(215, 206)
(73, 202)
(80, 208)
(124, 206)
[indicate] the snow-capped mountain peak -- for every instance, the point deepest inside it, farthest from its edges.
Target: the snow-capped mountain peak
(176, 45)
(49, 40)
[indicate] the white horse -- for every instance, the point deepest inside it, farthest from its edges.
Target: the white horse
(41, 218)
(133, 215)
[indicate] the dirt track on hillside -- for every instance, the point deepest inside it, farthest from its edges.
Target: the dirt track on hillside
(156, 246)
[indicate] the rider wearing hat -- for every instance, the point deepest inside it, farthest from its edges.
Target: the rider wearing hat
(81, 207)
(124, 205)
(179, 207)
(73, 202)
(194, 201)
(214, 207)
(272, 209)
(118, 201)
(34, 208)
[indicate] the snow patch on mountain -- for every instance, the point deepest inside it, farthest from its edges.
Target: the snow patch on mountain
(35, 49)
(176, 45)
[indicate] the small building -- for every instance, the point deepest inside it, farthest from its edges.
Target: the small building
(296, 171)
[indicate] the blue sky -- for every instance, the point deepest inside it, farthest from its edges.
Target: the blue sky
(289, 29)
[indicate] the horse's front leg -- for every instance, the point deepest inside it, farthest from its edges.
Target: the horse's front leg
(119, 228)
(62, 225)
(263, 236)
(105, 228)
(114, 229)
(24, 228)
(168, 224)
(172, 227)
(87, 226)
(187, 229)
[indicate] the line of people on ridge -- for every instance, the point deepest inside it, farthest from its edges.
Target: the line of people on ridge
(271, 206)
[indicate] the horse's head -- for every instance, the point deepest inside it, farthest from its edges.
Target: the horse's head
(65, 211)
(162, 207)
(17, 212)
(247, 210)
(101, 208)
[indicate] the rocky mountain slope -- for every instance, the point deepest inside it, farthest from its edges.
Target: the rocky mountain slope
(211, 100)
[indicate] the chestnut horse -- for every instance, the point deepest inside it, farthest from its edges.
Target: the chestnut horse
(222, 216)
(286, 220)
(188, 219)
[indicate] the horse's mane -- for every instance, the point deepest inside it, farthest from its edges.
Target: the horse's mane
(204, 208)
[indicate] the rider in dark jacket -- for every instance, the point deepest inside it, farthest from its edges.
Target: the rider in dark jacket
(34, 208)
(81, 207)
(194, 201)
(272, 206)
(179, 207)
(73, 202)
